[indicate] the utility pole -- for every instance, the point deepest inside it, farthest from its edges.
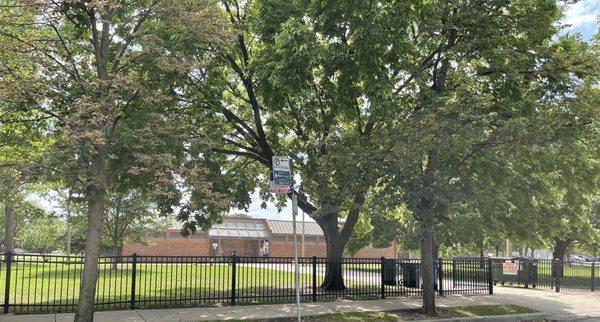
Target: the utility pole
(296, 269)
(303, 231)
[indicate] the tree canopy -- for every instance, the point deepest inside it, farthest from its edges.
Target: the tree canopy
(440, 123)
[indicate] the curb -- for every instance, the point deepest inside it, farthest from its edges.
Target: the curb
(511, 317)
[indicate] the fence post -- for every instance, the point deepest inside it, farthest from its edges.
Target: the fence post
(559, 269)
(314, 278)
(9, 258)
(133, 280)
(490, 277)
(382, 272)
(440, 277)
(593, 276)
(453, 273)
(233, 271)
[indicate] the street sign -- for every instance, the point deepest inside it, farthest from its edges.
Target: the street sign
(280, 179)
(282, 164)
(279, 189)
(510, 268)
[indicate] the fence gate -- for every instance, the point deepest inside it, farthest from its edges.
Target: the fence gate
(548, 274)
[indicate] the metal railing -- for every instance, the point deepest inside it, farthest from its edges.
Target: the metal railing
(37, 283)
(550, 274)
(570, 276)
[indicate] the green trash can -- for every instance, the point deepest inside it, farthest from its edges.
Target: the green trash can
(389, 272)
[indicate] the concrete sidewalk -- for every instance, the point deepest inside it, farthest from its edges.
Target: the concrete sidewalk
(560, 306)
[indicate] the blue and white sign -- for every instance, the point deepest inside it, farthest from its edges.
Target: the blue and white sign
(280, 179)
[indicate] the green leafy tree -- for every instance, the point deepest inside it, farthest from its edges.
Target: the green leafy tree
(129, 217)
(465, 116)
(21, 144)
(104, 103)
(24, 212)
(296, 81)
(42, 235)
(487, 77)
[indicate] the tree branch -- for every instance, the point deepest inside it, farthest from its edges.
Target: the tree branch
(245, 154)
(142, 18)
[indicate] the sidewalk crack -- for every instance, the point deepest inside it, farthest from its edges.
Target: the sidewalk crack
(138, 313)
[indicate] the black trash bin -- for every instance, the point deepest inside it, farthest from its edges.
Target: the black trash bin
(558, 269)
(389, 272)
(410, 274)
(528, 274)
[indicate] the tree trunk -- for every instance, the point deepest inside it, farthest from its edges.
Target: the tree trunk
(69, 197)
(426, 215)
(334, 279)
(427, 242)
(9, 227)
(508, 248)
(560, 249)
(95, 194)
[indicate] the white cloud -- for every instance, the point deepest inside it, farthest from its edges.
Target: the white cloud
(582, 13)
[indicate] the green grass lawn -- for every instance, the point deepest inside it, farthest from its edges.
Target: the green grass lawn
(487, 310)
(156, 284)
(39, 284)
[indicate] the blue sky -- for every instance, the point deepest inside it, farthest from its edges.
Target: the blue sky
(583, 17)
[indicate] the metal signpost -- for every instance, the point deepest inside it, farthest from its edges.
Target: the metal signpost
(296, 270)
(303, 232)
(281, 181)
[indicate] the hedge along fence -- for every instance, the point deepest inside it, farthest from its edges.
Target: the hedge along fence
(36, 283)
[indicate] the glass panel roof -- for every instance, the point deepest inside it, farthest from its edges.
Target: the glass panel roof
(239, 229)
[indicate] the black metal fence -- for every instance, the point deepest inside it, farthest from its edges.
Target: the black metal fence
(36, 283)
(549, 274)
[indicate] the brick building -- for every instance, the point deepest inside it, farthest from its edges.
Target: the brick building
(247, 237)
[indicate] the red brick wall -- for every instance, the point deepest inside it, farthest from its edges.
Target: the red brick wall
(370, 252)
(175, 245)
(278, 248)
(171, 245)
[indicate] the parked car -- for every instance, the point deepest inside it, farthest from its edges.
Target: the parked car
(577, 259)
